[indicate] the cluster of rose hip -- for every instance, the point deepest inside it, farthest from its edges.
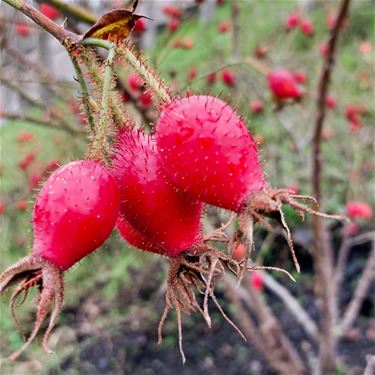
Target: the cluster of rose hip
(154, 191)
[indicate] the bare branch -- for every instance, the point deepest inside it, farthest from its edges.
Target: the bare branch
(42, 122)
(59, 32)
(292, 305)
(323, 257)
(360, 293)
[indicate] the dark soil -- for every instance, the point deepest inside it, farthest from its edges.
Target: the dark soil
(130, 347)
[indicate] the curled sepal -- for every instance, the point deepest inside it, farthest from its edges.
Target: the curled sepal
(269, 202)
(195, 272)
(34, 271)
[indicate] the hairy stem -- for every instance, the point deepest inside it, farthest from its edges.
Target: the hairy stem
(145, 72)
(85, 93)
(100, 145)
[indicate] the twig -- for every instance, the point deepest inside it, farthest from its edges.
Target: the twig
(323, 261)
(41, 122)
(292, 305)
(360, 293)
(147, 74)
(85, 93)
(280, 353)
(36, 67)
(361, 238)
(342, 259)
(370, 366)
(53, 112)
(100, 142)
(59, 32)
(322, 93)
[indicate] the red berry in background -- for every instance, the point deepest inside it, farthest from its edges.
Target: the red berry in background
(74, 213)
(365, 48)
(207, 151)
(172, 11)
(23, 29)
(323, 49)
(256, 281)
(136, 238)
(327, 134)
(330, 102)
(187, 43)
(211, 78)
(25, 136)
(173, 24)
(192, 74)
(150, 203)
(256, 106)
(300, 76)
(359, 210)
(239, 252)
(34, 180)
(140, 26)
(26, 161)
(21, 205)
(351, 229)
(135, 82)
(223, 27)
(353, 113)
(330, 21)
(260, 52)
(145, 99)
(51, 166)
(220, 2)
(292, 21)
(228, 78)
(177, 44)
(49, 11)
(2, 208)
(283, 85)
(307, 27)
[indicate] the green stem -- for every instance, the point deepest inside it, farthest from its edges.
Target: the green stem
(84, 92)
(143, 70)
(100, 142)
(155, 83)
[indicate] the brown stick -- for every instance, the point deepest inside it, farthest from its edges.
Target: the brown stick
(323, 261)
(274, 346)
(360, 293)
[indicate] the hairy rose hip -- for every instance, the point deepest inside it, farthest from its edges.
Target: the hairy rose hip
(149, 202)
(158, 217)
(206, 149)
(136, 238)
(74, 213)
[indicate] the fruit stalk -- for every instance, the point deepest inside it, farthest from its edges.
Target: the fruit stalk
(145, 72)
(84, 92)
(100, 144)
